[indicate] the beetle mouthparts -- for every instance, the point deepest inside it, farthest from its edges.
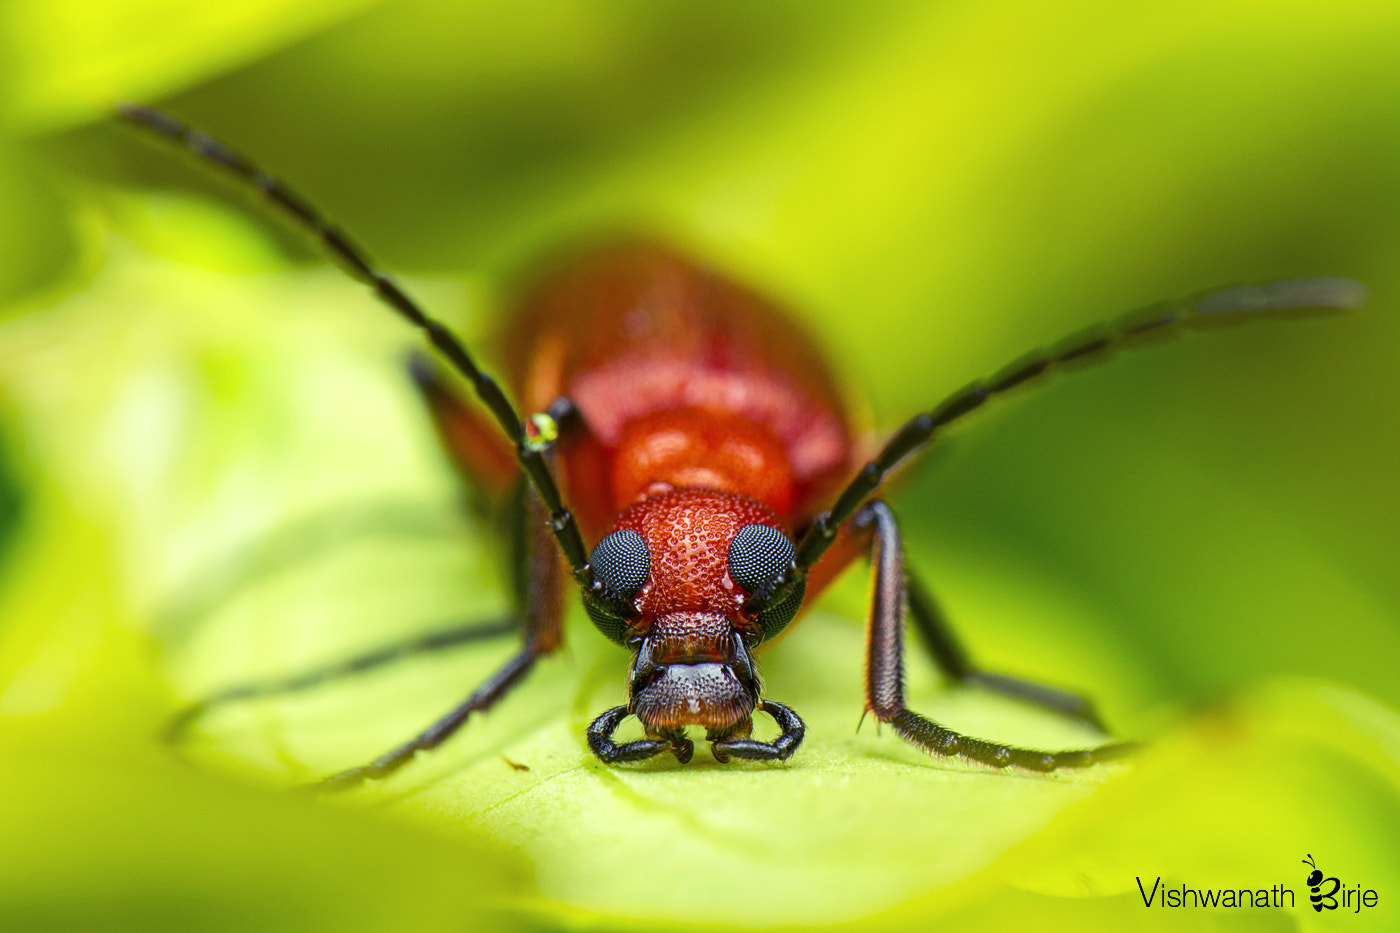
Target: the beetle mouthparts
(707, 694)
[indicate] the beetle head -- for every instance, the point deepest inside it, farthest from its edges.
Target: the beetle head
(682, 578)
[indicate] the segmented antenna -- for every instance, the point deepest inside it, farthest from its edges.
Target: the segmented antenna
(357, 264)
(1224, 306)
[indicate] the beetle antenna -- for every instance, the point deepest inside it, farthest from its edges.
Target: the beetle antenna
(357, 264)
(1228, 305)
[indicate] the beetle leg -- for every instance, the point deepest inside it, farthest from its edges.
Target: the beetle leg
(423, 644)
(543, 613)
(601, 743)
(473, 441)
(537, 578)
(953, 661)
(445, 638)
(780, 749)
(480, 699)
(884, 678)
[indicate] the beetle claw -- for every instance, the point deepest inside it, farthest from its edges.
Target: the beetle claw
(780, 749)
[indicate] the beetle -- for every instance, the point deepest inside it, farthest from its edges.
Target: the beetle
(692, 431)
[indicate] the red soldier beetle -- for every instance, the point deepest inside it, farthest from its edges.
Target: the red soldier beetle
(696, 435)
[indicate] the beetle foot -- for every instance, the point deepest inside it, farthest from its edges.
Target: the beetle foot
(601, 743)
(780, 749)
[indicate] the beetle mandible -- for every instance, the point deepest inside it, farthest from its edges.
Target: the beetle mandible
(692, 432)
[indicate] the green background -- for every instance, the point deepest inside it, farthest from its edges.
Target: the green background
(215, 472)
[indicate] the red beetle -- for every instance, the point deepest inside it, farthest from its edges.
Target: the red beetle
(697, 435)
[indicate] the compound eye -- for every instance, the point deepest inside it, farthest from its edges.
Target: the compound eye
(622, 563)
(758, 555)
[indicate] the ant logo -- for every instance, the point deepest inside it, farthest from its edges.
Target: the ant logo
(1315, 882)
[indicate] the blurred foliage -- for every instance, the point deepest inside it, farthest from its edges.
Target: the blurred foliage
(220, 475)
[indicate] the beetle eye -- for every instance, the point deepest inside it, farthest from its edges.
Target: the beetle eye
(622, 563)
(758, 555)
